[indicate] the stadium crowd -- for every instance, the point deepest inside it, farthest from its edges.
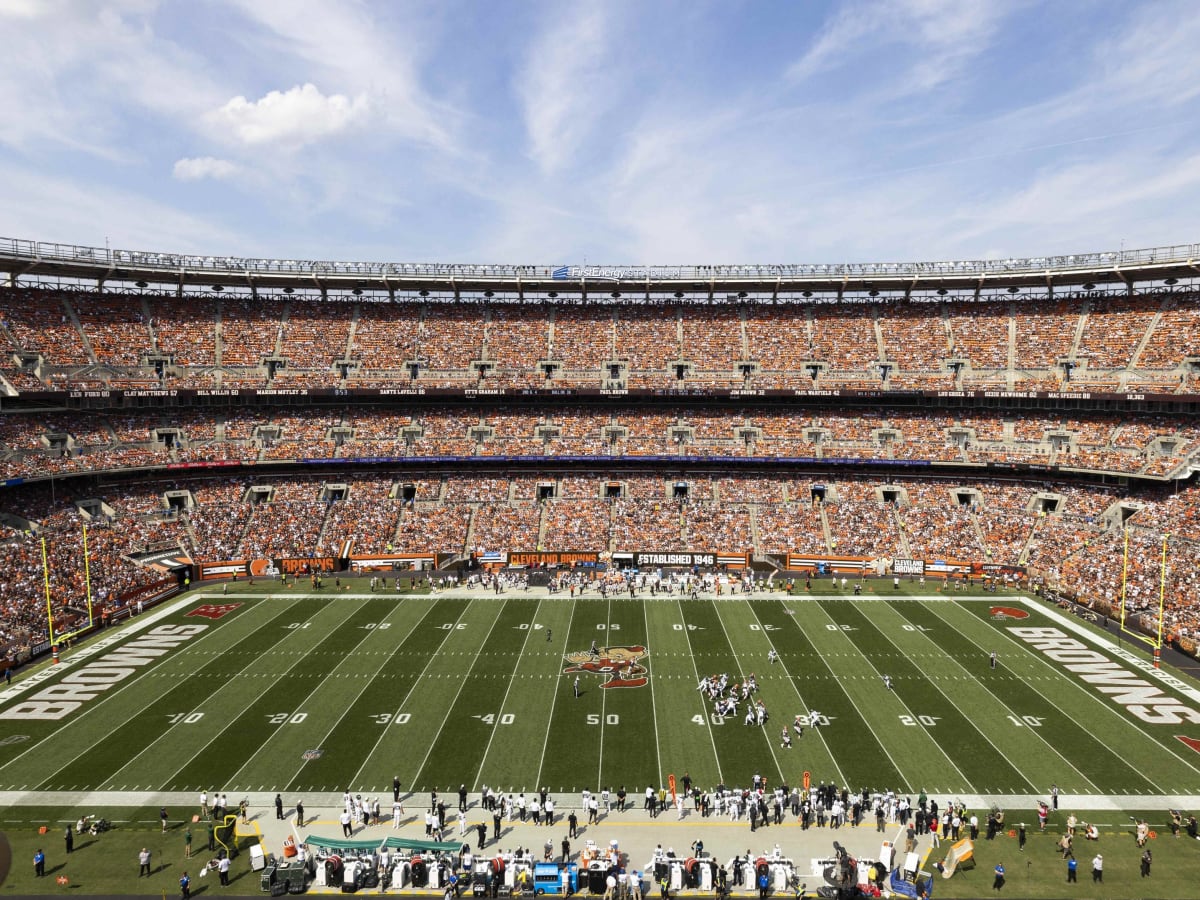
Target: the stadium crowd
(35, 444)
(139, 339)
(1055, 530)
(75, 338)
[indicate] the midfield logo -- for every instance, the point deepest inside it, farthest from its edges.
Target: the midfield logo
(619, 665)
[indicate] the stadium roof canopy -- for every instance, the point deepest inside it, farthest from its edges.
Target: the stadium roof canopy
(21, 258)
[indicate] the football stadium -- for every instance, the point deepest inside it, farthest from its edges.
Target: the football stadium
(600, 449)
(697, 541)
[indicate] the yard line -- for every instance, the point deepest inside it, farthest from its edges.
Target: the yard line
(511, 679)
(762, 728)
(703, 709)
(1094, 700)
(654, 706)
(803, 705)
(333, 595)
(604, 696)
(137, 680)
(865, 658)
(450, 706)
(925, 635)
(554, 700)
(229, 724)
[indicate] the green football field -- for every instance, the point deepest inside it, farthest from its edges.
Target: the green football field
(309, 692)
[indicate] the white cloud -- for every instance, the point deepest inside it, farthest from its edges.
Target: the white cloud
(562, 88)
(197, 167)
(564, 133)
(1145, 197)
(300, 115)
(75, 74)
(853, 24)
(54, 207)
(698, 190)
(938, 37)
(1153, 57)
(23, 9)
(349, 46)
(1140, 76)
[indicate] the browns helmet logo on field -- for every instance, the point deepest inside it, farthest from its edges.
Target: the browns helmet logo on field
(618, 665)
(213, 610)
(1000, 613)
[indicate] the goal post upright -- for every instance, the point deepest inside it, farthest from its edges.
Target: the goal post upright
(46, 581)
(1162, 589)
(1154, 640)
(87, 576)
(1124, 576)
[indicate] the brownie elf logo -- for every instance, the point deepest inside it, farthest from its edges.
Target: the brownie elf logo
(618, 665)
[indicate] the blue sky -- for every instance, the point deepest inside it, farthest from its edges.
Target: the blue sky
(603, 132)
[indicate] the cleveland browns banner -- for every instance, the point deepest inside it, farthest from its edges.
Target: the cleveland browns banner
(268, 568)
(540, 558)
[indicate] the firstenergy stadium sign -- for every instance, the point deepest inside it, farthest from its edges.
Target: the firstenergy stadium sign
(1142, 699)
(615, 273)
(89, 681)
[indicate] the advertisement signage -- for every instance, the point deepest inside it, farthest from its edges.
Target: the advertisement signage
(908, 567)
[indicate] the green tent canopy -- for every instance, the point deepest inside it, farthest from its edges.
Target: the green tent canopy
(399, 843)
(392, 843)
